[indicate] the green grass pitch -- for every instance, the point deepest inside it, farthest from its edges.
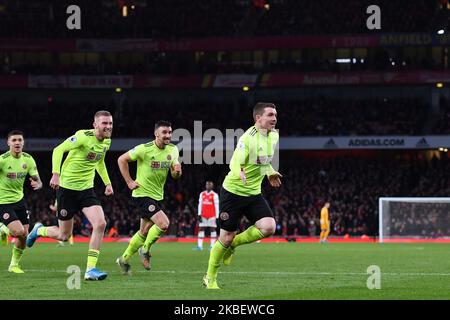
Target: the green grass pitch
(259, 271)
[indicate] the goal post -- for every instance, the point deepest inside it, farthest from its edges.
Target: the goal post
(413, 217)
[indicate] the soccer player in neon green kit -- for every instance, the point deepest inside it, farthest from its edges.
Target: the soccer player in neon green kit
(154, 160)
(74, 185)
(15, 165)
(241, 190)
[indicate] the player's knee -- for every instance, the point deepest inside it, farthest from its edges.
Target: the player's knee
(226, 239)
(268, 228)
(164, 225)
(100, 225)
(17, 233)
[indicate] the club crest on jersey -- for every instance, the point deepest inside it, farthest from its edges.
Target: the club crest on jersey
(63, 212)
(5, 216)
(24, 166)
(169, 157)
(151, 208)
(224, 215)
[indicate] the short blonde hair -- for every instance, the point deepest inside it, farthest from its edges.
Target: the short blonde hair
(102, 113)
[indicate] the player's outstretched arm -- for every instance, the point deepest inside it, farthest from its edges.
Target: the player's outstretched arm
(124, 168)
(103, 173)
(70, 143)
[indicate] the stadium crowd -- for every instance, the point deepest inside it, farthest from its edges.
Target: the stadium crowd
(352, 185)
(166, 63)
(203, 18)
(308, 117)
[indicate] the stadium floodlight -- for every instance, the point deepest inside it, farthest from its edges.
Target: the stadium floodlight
(343, 60)
(414, 218)
(441, 31)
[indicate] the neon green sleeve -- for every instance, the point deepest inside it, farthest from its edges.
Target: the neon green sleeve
(276, 137)
(32, 171)
(71, 143)
(175, 156)
(103, 172)
(270, 170)
(136, 152)
(240, 156)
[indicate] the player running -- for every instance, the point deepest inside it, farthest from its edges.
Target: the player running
(15, 165)
(241, 190)
(154, 160)
(74, 185)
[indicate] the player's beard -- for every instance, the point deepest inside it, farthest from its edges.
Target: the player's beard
(107, 133)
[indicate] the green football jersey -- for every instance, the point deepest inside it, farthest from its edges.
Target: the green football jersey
(13, 172)
(153, 164)
(254, 153)
(86, 155)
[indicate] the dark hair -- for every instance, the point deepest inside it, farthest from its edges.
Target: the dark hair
(162, 123)
(102, 113)
(260, 106)
(15, 133)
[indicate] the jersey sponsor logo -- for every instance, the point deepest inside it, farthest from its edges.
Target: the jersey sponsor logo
(155, 164)
(264, 160)
(151, 208)
(6, 216)
(73, 139)
(14, 175)
(92, 156)
(224, 215)
(63, 213)
(160, 164)
(24, 166)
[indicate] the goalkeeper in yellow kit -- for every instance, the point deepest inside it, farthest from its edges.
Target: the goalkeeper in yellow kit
(324, 223)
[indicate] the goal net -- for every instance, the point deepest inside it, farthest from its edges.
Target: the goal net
(414, 217)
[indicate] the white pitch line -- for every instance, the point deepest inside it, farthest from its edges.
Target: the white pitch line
(272, 273)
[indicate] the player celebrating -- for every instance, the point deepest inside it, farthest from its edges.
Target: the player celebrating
(75, 187)
(208, 211)
(324, 223)
(154, 159)
(241, 190)
(14, 220)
